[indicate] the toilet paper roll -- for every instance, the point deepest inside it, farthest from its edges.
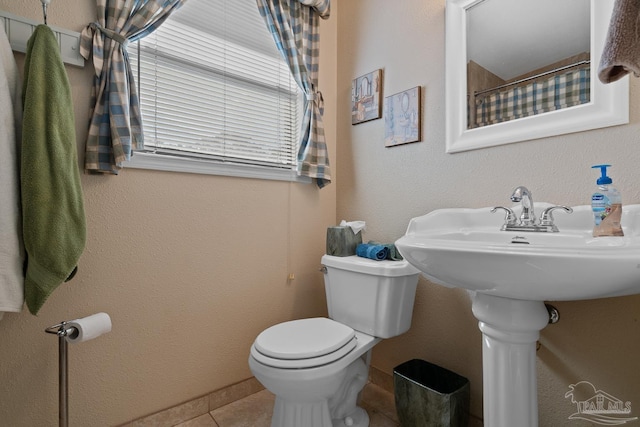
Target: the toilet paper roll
(88, 328)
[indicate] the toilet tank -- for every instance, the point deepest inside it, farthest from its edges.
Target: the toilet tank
(374, 297)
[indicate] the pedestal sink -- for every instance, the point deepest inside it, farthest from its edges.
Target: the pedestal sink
(512, 274)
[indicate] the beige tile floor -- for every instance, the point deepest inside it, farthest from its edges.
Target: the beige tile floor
(255, 411)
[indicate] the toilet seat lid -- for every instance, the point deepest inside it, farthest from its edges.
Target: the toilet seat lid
(303, 338)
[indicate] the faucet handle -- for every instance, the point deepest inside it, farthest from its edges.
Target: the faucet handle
(546, 217)
(509, 218)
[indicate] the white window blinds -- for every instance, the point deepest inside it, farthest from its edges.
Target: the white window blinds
(213, 86)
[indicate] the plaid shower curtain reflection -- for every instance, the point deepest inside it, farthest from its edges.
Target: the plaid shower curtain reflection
(553, 93)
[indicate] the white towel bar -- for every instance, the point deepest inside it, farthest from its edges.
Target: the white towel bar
(19, 29)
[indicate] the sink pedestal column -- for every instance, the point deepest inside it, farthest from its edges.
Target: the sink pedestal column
(510, 329)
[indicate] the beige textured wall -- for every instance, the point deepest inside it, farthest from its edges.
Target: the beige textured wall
(190, 267)
(596, 341)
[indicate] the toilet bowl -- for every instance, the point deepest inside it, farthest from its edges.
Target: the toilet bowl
(304, 393)
(316, 367)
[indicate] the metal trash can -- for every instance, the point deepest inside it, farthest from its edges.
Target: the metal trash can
(428, 395)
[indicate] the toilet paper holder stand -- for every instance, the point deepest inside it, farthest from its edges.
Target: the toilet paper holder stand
(62, 330)
(74, 331)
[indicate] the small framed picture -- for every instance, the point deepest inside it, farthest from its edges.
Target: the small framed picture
(366, 92)
(403, 117)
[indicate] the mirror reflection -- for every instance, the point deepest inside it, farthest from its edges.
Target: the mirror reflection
(525, 58)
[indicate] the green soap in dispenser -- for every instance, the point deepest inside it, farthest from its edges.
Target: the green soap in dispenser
(606, 204)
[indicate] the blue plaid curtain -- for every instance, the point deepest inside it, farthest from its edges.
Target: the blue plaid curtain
(116, 125)
(554, 93)
(294, 25)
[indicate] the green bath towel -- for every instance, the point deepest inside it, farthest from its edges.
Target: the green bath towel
(53, 219)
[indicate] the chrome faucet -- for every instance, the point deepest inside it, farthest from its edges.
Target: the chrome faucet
(522, 194)
(527, 220)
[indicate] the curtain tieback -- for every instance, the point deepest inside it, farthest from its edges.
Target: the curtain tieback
(110, 34)
(315, 95)
(321, 6)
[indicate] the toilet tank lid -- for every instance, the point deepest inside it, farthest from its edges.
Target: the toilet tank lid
(358, 264)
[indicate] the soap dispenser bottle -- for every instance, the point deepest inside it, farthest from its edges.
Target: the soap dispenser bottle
(606, 204)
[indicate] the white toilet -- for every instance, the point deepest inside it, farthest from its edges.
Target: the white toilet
(316, 367)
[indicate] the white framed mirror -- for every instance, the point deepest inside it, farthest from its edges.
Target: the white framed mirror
(599, 105)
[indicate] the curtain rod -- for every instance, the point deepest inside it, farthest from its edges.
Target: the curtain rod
(566, 67)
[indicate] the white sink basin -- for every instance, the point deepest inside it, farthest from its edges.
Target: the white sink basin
(465, 248)
(513, 273)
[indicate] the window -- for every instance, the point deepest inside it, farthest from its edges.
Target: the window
(216, 95)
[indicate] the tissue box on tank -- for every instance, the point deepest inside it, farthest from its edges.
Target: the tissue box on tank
(341, 241)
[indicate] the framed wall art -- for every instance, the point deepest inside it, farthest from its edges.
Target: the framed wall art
(403, 117)
(366, 92)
